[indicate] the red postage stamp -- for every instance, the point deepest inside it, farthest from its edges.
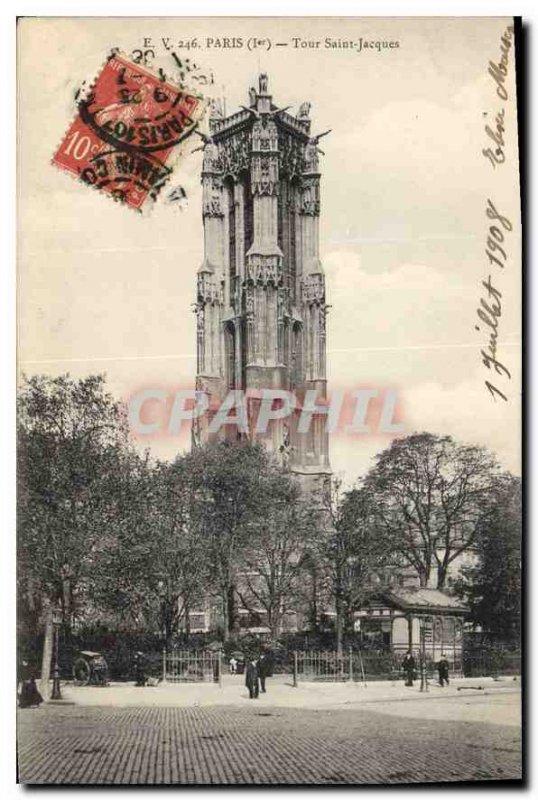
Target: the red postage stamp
(126, 131)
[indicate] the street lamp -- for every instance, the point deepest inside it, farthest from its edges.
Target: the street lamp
(162, 591)
(56, 622)
(423, 675)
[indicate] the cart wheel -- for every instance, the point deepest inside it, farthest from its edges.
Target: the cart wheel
(81, 672)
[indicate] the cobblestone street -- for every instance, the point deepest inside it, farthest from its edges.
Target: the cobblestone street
(261, 744)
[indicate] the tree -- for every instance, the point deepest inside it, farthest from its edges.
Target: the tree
(226, 489)
(179, 553)
(353, 553)
(430, 498)
(273, 556)
(492, 585)
(72, 438)
(156, 568)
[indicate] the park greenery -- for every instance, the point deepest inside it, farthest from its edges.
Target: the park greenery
(106, 532)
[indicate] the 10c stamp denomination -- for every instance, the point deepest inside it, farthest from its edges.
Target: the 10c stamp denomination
(125, 135)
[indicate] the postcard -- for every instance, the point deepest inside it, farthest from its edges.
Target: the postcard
(269, 401)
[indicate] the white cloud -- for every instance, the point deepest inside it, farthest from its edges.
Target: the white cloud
(467, 412)
(401, 313)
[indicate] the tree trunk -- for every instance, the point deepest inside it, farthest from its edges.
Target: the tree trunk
(66, 601)
(225, 615)
(314, 602)
(48, 643)
(339, 626)
(168, 626)
(424, 576)
(186, 611)
(274, 620)
(339, 608)
(441, 577)
(232, 616)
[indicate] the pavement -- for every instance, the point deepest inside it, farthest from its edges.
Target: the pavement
(315, 695)
(259, 743)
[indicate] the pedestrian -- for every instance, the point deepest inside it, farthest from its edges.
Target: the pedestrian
(233, 665)
(24, 674)
(408, 666)
(264, 670)
(29, 695)
(442, 669)
(139, 669)
(252, 680)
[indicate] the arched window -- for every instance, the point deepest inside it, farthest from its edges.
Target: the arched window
(287, 233)
(229, 345)
(248, 212)
(231, 236)
(296, 353)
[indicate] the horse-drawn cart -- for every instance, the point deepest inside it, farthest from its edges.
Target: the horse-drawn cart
(90, 669)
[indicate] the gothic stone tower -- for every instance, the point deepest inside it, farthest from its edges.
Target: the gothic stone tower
(261, 289)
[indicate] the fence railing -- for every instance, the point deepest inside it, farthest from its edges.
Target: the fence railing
(320, 665)
(188, 666)
(487, 662)
(352, 665)
(357, 665)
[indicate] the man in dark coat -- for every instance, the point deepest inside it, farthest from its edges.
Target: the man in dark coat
(408, 666)
(264, 669)
(252, 680)
(139, 669)
(442, 669)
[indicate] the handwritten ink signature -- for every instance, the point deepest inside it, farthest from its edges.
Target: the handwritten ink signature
(496, 156)
(499, 70)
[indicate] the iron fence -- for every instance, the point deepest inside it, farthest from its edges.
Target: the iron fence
(320, 665)
(352, 665)
(328, 665)
(357, 665)
(189, 666)
(491, 662)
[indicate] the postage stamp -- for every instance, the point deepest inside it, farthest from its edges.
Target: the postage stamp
(124, 139)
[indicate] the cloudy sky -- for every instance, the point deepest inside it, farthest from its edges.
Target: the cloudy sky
(403, 224)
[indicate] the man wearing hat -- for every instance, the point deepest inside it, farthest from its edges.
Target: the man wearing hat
(408, 667)
(442, 669)
(264, 669)
(252, 679)
(139, 669)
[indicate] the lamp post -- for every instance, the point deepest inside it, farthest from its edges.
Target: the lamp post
(423, 675)
(162, 589)
(56, 622)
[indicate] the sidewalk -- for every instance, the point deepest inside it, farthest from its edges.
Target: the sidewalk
(281, 693)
